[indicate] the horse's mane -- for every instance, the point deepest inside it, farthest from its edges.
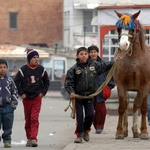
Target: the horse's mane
(142, 36)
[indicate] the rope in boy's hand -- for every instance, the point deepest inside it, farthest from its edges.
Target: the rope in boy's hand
(72, 101)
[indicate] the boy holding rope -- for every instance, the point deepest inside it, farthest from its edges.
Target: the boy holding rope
(81, 79)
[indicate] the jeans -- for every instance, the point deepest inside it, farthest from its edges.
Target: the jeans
(6, 122)
(84, 115)
(148, 108)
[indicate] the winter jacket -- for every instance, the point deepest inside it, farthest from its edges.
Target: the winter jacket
(106, 92)
(81, 79)
(8, 92)
(32, 81)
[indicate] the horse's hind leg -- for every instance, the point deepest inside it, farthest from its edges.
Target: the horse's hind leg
(135, 130)
(144, 132)
(125, 123)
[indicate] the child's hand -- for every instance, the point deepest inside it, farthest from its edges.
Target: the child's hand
(72, 95)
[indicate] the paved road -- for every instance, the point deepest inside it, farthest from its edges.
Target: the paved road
(56, 130)
(55, 125)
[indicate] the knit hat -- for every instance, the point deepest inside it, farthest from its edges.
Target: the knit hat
(31, 53)
(3, 61)
(93, 47)
(81, 49)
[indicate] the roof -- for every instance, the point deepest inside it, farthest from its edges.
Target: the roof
(18, 52)
(122, 6)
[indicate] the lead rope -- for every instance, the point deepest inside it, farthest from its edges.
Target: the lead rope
(108, 77)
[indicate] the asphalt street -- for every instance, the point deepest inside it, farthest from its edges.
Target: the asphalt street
(56, 130)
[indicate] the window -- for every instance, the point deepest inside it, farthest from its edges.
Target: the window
(88, 15)
(13, 18)
(87, 21)
(110, 43)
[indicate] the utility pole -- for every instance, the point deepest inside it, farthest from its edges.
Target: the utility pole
(56, 48)
(84, 34)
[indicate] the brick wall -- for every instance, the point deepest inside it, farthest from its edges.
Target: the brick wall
(38, 21)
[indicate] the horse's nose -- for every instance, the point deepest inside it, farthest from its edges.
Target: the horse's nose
(123, 46)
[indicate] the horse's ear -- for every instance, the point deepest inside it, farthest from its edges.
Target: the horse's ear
(118, 14)
(136, 15)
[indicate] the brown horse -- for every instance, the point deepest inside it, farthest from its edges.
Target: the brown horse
(132, 73)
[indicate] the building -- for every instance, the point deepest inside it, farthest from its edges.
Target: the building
(93, 22)
(108, 36)
(77, 27)
(33, 22)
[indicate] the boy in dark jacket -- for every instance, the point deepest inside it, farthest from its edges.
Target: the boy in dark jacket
(32, 82)
(99, 100)
(8, 103)
(81, 79)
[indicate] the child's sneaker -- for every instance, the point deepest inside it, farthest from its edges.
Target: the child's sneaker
(7, 145)
(78, 140)
(34, 143)
(86, 136)
(28, 144)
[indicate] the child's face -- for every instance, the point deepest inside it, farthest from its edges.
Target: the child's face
(83, 56)
(93, 54)
(3, 69)
(34, 61)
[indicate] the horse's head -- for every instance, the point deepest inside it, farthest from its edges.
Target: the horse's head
(127, 26)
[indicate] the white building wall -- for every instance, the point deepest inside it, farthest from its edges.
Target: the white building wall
(73, 36)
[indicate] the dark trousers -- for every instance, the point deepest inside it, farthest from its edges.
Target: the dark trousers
(32, 109)
(100, 115)
(6, 122)
(84, 115)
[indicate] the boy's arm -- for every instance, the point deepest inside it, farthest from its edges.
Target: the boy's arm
(18, 79)
(103, 66)
(14, 95)
(46, 83)
(70, 82)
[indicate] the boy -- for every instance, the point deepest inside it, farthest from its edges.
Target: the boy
(8, 103)
(99, 100)
(81, 79)
(32, 82)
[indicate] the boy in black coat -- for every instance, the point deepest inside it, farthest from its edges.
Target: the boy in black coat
(81, 79)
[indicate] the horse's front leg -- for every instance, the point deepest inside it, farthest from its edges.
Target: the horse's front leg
(121, 110)
(135, 128)
(125, 123)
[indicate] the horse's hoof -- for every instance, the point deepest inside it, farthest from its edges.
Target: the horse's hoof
(144, 136)
(125, 134)
(136, 135)
(119, 137)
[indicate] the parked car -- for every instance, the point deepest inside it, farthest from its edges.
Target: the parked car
(62, 89)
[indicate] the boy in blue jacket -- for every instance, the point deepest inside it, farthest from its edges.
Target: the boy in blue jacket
(8, 103)
(81, 79)
(99, 100)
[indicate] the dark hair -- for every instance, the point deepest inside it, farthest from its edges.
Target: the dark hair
(93, 47)
(3, 61)
(81, 49)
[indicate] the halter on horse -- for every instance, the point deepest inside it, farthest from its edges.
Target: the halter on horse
(132, 73)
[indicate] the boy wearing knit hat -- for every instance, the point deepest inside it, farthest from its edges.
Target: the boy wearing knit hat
(32, 82)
